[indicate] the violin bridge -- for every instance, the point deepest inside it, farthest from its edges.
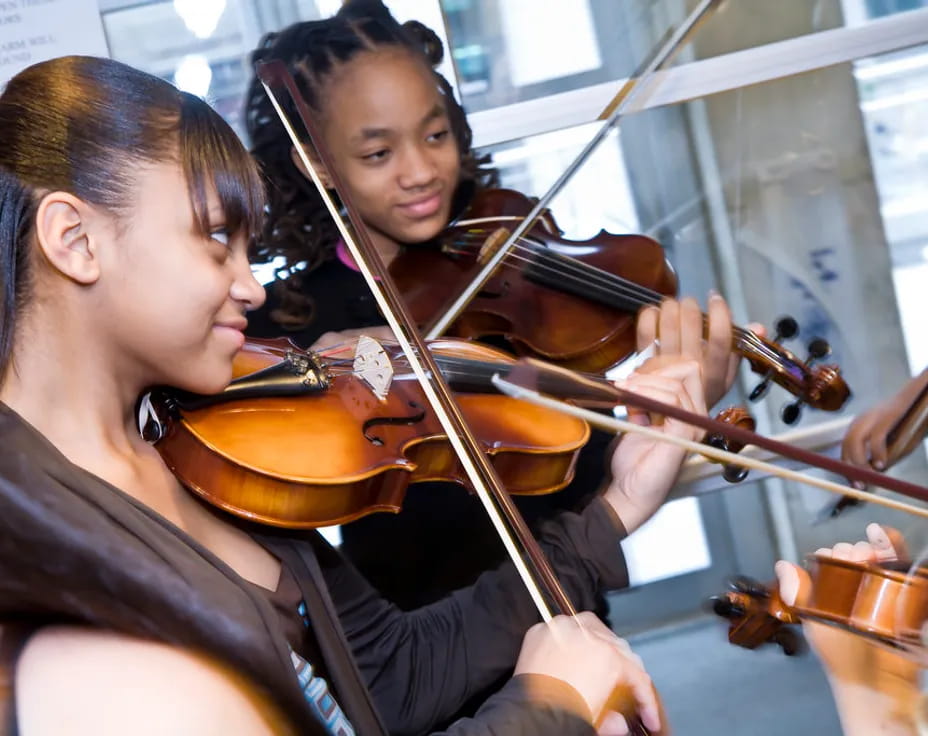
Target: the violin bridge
(492, 244)
(372, 365)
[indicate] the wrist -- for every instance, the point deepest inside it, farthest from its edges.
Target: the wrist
(629, 513)
(553, 692)
(888, 708)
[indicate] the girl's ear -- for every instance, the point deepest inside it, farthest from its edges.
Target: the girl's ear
(317, 165)
(64, 238)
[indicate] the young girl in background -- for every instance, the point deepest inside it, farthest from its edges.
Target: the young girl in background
(402, 146)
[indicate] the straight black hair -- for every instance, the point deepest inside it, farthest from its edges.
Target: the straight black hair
(82, 125)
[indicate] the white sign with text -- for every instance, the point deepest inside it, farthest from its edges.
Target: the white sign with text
(35, 30)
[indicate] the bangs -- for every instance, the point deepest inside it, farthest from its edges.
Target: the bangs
(212, 155)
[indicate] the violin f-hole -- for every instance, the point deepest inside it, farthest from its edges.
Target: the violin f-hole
(392, 422)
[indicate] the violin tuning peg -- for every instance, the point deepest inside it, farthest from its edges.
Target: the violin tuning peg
(790, 413)
(818, 349)
(790, 641)
(748, 585)
(760, 390)
(785, 328)
(722, 606)
(734, 473)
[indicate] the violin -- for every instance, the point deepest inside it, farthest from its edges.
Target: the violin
(568, 302)
(886, 603)
(299, 441)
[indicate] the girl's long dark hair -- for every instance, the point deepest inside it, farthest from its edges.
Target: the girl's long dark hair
(298, 229)
(17, 208)
(83, 125)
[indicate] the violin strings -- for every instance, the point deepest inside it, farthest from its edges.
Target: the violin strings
(636, 294)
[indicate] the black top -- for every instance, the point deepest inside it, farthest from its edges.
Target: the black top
(340, 301)
(74, 548)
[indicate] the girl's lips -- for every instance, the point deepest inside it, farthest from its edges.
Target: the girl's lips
(423, 207)
(235, 334)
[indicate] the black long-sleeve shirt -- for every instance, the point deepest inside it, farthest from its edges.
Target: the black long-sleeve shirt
(75, 549)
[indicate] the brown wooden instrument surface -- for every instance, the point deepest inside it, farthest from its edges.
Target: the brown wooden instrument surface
(327, 458)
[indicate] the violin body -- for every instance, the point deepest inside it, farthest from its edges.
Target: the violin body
(332, 456)
(542, 307)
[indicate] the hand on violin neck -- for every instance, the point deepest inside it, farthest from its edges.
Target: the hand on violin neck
(883, 544)
(644, 469)
(875, 688)
(680, 328)
(580, 656)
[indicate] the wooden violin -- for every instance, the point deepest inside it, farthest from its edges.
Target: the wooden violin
(296, 441)
(572, 303)
(300, 441)
(887, 603)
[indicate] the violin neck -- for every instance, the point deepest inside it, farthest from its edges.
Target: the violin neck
(560, 272)
(911, 426)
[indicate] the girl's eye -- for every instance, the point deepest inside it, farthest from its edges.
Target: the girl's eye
(376, 156)
(439, 136)
(220, 235)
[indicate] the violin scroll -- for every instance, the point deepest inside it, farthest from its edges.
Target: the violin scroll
(820, 387)
(757, 615)
(737, 416)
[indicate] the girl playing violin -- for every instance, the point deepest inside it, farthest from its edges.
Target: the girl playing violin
(126, 212)
(402, 145)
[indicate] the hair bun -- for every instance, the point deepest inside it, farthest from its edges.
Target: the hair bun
(361, 9)
(427, 40)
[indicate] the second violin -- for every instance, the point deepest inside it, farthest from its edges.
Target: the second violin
(573, 303)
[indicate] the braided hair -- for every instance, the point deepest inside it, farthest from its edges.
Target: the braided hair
(298, 228)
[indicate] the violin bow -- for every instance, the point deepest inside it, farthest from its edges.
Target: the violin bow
(910, 426)
(523, 549)
(630, 91)
(522, 381)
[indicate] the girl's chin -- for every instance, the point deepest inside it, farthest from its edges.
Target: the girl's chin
(213, 381)
(421, 232)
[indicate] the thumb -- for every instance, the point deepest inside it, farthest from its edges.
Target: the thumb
(612, 724)
(888, 543)
(794, 583)
(758, 329)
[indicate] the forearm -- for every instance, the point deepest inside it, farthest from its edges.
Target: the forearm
(865, 710)
(422, 665)
(529, 705)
